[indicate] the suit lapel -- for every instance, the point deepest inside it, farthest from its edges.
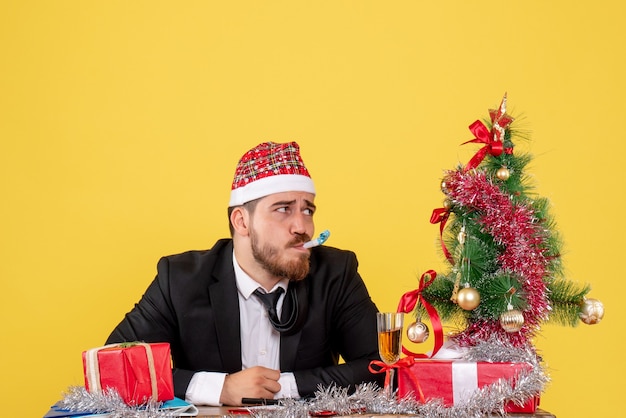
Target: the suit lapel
(223, 295)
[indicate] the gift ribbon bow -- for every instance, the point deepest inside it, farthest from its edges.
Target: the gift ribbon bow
(382, 367)
(93, 367)
(407, 304)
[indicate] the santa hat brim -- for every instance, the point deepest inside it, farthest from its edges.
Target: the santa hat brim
(269, 185)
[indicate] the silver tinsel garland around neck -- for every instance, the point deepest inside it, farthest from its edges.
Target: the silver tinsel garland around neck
(367, 398)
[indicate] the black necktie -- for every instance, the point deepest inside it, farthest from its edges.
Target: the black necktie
(270, 300)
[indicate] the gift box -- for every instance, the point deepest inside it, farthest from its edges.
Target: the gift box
(139, 372)
(455, 381)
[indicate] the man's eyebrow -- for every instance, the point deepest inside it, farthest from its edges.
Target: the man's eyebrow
(292, 202)
(284, 203)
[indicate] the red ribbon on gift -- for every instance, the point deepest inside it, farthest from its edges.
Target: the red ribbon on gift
(407, 304)
(493, 145)
(403, 362)
(441, 216)
(92, 367)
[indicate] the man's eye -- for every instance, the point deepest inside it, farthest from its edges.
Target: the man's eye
(309, 212)
(282, 209)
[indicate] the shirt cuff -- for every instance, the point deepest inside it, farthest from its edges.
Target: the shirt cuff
(205, 388)
(288, 387)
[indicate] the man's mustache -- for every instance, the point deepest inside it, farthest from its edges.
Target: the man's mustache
(299, 239)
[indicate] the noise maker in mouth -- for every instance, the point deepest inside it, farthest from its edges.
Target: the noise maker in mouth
(317, 241)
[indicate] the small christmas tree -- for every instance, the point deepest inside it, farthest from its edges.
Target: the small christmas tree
(506, 276)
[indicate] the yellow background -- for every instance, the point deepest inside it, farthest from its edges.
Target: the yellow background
(121, 123)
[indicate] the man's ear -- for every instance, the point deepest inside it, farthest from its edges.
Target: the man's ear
(240, 219)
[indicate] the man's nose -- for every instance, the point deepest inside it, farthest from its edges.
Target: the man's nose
(299, 223)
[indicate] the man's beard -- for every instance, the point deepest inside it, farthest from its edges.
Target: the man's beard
(268, 257)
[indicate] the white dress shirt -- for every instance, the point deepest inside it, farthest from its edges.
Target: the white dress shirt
(260, 345)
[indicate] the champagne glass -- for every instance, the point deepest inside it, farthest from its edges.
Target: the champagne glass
(389, 326)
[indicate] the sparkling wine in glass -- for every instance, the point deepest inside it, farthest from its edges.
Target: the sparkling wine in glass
(389, 342)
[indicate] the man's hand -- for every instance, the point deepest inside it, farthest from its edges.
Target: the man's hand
(255, 382)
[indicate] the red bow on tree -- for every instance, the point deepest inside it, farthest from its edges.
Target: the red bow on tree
(407, 304)
(440, 216)
(493, 139)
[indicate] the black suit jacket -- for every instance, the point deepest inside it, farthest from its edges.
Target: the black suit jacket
(192, 304)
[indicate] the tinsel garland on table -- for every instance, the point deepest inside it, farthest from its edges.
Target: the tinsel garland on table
(486, 400)
(78, 399)
(367, 398)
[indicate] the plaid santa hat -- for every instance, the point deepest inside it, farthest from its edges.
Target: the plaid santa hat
(269, 168)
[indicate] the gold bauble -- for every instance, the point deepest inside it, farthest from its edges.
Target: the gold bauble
(468, 298)
(512, 320)
(503, 173)
(447, 204)
(591, 311)
(417, 332)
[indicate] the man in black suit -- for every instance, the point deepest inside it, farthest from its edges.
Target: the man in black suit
(226, 342)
